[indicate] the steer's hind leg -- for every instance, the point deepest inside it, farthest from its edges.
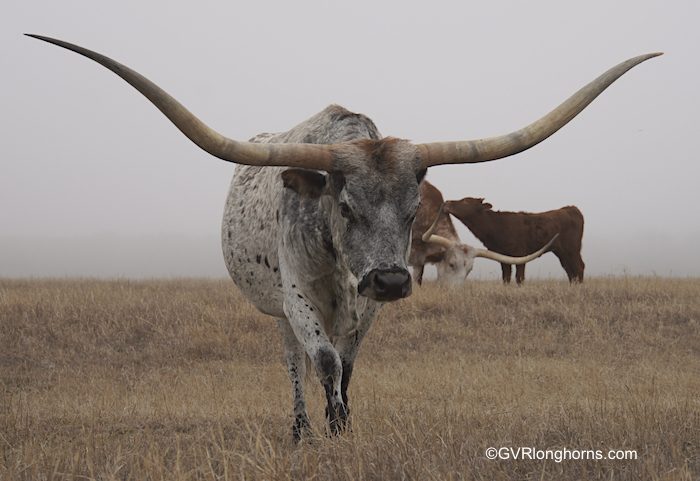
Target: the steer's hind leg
(296, 366)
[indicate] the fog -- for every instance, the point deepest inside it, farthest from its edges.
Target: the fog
(94, 181)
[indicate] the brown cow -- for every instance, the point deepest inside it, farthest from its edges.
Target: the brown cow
(517, 233)
(434, 240)
(429, 252)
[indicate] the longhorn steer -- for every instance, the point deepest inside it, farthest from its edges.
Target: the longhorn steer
(317, 223)
(438, 243)
(514, 233)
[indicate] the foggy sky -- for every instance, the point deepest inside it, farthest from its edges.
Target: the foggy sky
(94, 181)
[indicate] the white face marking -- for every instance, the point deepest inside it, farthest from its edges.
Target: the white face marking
(456, 265)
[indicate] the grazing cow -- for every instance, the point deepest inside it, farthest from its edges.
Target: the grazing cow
(430, 252)
(515, 233)
(317, 223)
(439, 243)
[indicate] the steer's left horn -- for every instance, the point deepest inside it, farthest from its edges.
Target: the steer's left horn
(308, 156)
(514, 260)
(483, 150)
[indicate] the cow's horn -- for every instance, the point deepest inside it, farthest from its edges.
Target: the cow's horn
(428, 236)
(308, 156)
(482, 150)
(440, 240)
(514, 260)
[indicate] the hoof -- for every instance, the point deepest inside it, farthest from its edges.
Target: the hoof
(301, 428)
(338, 422)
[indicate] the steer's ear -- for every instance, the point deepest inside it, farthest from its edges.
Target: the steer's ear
(307, 183)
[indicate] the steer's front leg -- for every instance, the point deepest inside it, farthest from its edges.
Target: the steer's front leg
(296, 366)
(330, 372)
(348, 344)
(304, 320)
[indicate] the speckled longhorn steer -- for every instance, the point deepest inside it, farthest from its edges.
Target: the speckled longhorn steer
(317, 223)
(301, 257)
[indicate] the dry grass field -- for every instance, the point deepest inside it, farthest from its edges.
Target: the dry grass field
(183, 380)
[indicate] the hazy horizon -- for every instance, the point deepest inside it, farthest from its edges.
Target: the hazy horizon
(96, 182)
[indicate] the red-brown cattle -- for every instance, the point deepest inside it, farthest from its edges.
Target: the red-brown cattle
(517, 233)
(434, 240)
(423, 252)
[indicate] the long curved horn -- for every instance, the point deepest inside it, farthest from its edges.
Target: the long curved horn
(514, 260)
(428, 236)
(441, 241)
(483, 150)
(309, 156)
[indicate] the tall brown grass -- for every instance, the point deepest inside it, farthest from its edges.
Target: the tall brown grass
(183, 380)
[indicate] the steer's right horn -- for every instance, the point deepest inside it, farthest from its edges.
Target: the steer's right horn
(308, 156)
(483, 150)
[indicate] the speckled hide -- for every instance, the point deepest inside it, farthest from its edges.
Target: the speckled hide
(298, 258)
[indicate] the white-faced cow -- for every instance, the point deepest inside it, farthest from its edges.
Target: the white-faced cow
(317, 223)
(517, 232)
(434, 240)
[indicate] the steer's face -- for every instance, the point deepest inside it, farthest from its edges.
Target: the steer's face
(374, 202)
(370, 202)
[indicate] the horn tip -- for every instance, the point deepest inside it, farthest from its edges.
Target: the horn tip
(40, 37)
(650, 55)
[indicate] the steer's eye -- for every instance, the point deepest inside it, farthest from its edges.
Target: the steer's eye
(345, 210)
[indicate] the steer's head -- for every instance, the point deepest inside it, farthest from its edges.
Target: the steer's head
(370, 197)
(372, 186)
(375, 201)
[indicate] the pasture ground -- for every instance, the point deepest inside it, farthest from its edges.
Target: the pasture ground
(183, 380)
